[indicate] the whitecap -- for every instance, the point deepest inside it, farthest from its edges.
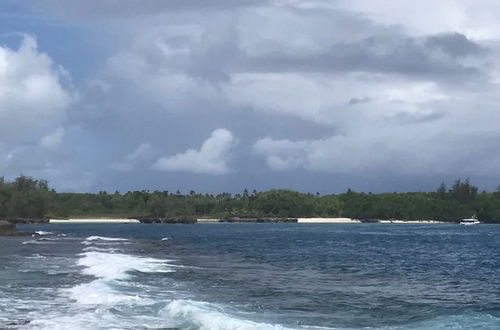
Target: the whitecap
(207, 316)
(100, 249)
(165, 238)
(41, 232)
(36, 256)
(102, 238)
(37, 242)
(112, 270)
(99, 292)
(115, 266)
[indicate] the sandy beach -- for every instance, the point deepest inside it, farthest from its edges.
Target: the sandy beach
(215, 220)
(208, 220)
(413, 221)
(327, 220)
(97, 220)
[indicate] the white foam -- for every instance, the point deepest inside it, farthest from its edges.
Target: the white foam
(165, 238)
(102, 238)
(41, 232)
(37, 242)
(100, 249)
(99, 292)
(111, 269)
(36, 256)
(115, 266)
(207, 316)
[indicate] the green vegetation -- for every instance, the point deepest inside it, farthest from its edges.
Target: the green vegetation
(26, 197)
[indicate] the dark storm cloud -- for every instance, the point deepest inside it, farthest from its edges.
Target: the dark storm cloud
(366, 46)
(359, 100)
(130, 8)
(382, 54)
(408, 118)
(453, 44)
(293, 74)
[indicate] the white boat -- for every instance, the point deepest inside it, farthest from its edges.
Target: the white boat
(469, 222)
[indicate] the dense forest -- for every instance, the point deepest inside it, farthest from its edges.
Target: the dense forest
(26, 197)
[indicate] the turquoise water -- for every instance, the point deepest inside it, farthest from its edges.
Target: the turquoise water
(251, 276)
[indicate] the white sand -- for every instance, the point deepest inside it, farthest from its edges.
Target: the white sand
(205, 220)
(413, 221)
(327, 220)
(99, 220)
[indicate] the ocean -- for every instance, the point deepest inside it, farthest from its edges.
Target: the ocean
(251, 276)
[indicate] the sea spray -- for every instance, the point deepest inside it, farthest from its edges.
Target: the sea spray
(208, 316)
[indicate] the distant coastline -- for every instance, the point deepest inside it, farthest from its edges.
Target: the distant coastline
(94, 220)
(26, 200)
(253, 220)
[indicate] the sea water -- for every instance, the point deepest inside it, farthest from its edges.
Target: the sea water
(251, 276)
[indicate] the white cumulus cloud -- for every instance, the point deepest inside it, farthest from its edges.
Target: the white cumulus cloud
(53, 140)
(143, 153)
(212, 158)
(33, 99)
(35, 95)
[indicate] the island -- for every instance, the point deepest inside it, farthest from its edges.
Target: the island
(28, 200)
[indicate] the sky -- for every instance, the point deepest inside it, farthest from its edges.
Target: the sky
(223, 95)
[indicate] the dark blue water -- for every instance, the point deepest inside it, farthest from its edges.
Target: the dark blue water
(252, 276)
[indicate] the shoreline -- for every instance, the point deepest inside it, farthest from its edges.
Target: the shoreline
(216, 220)
(327, 220)
(94, 220)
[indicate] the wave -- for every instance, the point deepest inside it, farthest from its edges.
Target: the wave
(102, 238)
(41, 232)
(36, 256)
(101, 249)
(111, 269)
(115, 287)
(38, 242)
(450, 322)
(100, 292)
(116, 266)
(191, 314)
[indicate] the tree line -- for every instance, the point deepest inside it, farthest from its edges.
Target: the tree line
(26, 197)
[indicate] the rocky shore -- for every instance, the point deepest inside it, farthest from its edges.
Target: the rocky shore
(186, 220)
(259, 220)
(193, 220)
(26, 221)
(9, 229)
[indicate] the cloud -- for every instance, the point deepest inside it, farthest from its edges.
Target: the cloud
(211, 158)
(475, 19)
(454, 44)
(143, 153)
(54, 139)
(133, 8)
(435, 57)
(359, 100)
(35, 97)
(347, 88)
(398, 146)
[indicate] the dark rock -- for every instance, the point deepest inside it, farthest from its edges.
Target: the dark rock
(259, 220)
(369, 220)
(26, 221)
(7, 228)
(187, 220)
